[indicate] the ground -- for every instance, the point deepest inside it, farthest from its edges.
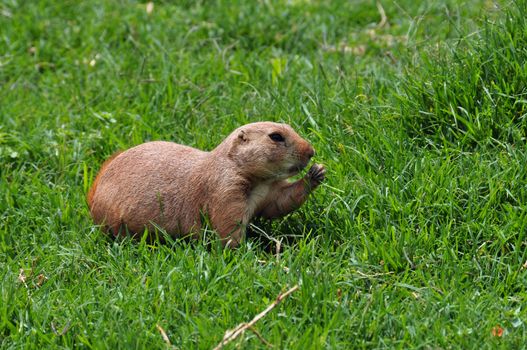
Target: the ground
(417, 239)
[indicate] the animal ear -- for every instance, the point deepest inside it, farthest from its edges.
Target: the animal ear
(242, 136)
(240, 139)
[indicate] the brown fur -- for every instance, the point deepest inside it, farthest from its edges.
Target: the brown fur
(93, 187)
(171, 185)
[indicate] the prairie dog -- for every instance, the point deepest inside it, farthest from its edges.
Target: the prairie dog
(171, 185)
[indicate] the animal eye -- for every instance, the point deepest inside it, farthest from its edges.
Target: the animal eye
(277, 137)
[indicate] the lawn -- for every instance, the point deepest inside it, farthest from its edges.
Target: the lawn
(417, 238)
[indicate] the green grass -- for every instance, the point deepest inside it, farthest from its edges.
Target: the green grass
(416, 240)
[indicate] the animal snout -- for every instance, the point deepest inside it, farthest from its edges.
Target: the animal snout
(310, 151)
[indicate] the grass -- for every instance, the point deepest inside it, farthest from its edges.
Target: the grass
(416, 240)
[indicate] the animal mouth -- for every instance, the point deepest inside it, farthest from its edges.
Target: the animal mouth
(295, 169)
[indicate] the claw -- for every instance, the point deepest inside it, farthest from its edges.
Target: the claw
(316, 174)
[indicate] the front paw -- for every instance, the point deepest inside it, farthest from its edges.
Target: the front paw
(316, 174)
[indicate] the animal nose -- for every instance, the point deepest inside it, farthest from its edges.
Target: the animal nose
(310, 152)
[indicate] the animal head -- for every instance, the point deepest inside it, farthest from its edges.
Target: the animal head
(269, 150)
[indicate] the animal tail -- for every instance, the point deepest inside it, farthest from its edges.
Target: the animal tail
(93, 187)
